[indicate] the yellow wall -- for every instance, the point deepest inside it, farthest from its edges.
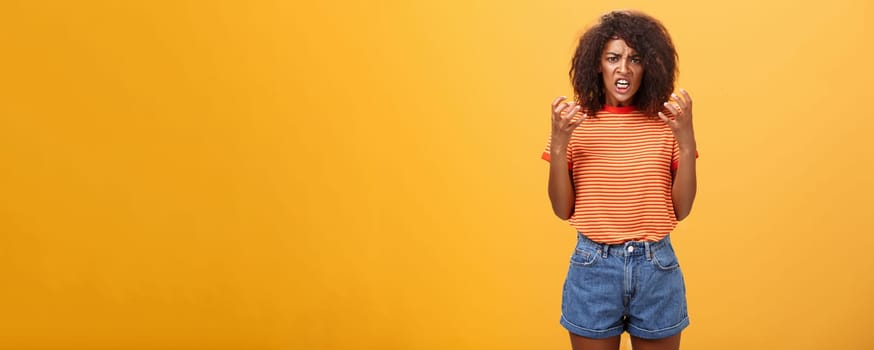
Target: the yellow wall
(274, 175)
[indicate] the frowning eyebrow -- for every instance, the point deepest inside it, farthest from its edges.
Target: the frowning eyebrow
(619, 54)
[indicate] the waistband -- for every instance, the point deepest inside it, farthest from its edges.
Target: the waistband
(630, 248)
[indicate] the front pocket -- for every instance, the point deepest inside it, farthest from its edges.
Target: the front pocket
(584, 257)
(665, 259)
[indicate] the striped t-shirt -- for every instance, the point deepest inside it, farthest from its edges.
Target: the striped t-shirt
(622, 163)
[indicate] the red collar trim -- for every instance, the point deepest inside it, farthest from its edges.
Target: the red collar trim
(619, 110)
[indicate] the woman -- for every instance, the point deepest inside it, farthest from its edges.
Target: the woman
(622, 172)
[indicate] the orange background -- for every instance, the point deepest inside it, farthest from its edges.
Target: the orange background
(280, 175)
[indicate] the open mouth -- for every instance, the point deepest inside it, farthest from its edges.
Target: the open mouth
(622, 85)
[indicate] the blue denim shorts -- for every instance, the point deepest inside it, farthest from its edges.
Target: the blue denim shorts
(634, 286)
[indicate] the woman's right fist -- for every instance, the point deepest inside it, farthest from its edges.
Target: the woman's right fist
(563, 124)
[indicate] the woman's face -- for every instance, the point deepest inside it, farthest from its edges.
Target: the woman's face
(622, 70)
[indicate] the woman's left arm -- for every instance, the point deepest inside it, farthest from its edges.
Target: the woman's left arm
(685, 180)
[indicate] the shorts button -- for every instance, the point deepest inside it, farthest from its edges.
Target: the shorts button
(631, 249)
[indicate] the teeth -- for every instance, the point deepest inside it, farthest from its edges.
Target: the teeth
(622, 83)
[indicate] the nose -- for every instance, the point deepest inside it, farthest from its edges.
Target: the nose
(623, 66)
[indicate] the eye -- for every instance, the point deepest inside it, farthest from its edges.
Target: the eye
(612, 59)
(635, 60)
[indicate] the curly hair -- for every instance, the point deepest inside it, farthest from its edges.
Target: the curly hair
(651, 41)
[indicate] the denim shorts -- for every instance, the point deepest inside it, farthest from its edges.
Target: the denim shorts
(633, 286)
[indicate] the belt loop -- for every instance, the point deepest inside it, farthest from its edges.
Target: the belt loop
(605, 248)
(648, 250)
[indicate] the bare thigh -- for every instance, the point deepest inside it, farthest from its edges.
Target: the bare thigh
(583, 343)
(669, 343)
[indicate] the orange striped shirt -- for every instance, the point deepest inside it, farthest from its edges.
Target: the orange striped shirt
(622, 163)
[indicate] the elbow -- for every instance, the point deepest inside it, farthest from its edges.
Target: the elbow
(565, 215)
(682, 214)
(683, 207)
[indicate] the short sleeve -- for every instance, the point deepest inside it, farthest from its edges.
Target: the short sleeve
(546, 154)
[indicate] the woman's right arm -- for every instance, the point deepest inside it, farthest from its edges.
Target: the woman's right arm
(561, 186)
